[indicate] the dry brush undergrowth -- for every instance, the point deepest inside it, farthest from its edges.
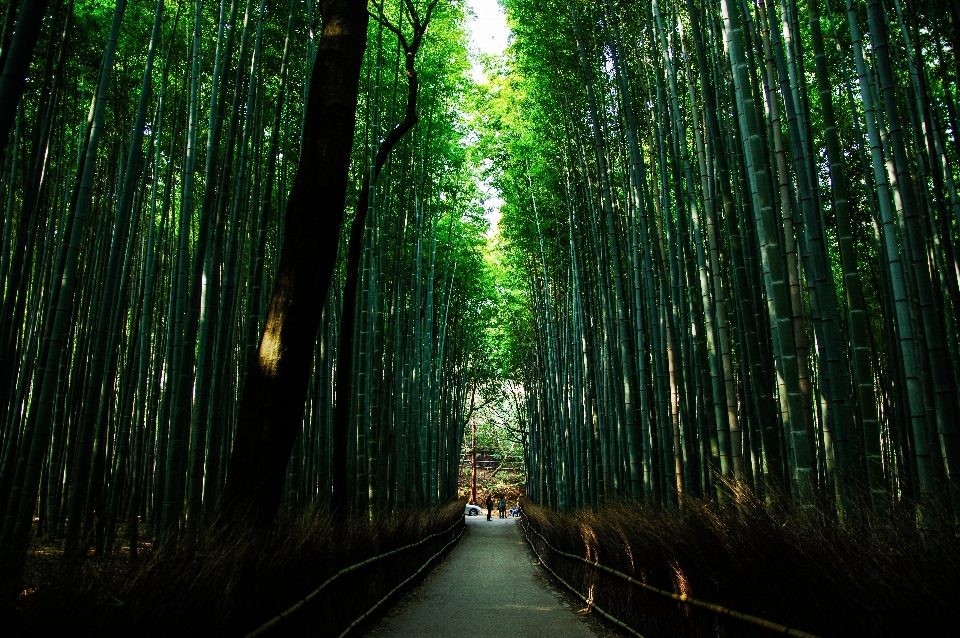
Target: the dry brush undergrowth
(868, 575)
(229, 581)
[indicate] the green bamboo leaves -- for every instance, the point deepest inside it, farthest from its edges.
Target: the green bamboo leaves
(146, 184)
(708, 155)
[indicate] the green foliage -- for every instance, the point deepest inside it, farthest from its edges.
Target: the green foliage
(649, 198)
(158, 441)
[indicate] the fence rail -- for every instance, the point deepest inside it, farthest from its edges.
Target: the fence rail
(397, 588)
(279, 618)
(716, 609)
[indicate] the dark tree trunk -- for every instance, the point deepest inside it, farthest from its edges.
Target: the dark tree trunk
(15, 64)
(271, 407)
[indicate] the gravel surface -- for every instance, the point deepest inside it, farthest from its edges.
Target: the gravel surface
(490, 583)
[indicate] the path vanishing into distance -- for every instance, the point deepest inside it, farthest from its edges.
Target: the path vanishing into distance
(489, 582)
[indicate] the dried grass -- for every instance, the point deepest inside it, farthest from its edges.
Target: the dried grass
(229, 581)
(867, 575)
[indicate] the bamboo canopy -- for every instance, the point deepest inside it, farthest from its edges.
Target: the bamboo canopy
(729, 252)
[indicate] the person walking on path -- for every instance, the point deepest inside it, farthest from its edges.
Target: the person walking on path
(502, 507)
(489, 507)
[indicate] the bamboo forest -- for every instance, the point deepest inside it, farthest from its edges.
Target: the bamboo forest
(287, 287)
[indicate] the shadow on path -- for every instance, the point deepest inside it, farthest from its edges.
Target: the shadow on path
(487, 584)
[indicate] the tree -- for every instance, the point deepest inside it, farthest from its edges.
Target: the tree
(275, 388)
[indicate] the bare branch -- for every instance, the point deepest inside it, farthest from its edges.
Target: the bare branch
(383, 21)
(415, 17)
(430, 9)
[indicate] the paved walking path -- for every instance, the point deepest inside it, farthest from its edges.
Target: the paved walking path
(488, 583)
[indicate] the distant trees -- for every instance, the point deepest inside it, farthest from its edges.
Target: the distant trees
(735, 227)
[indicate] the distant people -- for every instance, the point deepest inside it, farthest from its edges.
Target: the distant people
(489, 507)
(502, 507)
(515, 511)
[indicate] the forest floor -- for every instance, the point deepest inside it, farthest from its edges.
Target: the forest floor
(489, 583)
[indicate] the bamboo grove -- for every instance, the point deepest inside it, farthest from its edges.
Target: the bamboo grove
(733, 229)
(144, 185)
